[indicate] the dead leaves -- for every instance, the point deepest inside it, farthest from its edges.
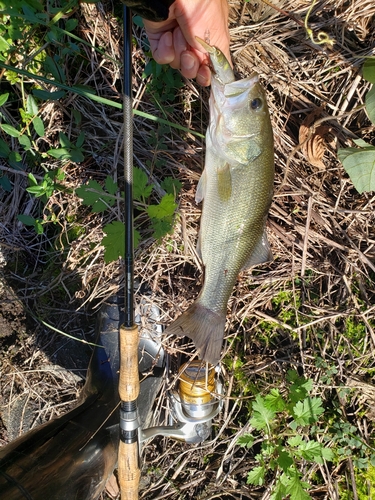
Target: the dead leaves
(314, 140)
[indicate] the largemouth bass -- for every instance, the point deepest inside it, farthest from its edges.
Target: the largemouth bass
(236, 188)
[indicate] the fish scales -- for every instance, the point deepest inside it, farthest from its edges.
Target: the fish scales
(236, 188)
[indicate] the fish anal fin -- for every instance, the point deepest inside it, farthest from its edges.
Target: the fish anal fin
(204, 327)
(262, 253)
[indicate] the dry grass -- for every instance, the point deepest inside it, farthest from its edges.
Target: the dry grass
(321, 232)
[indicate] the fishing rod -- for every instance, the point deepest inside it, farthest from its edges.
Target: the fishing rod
(194, 404)
(128, 457)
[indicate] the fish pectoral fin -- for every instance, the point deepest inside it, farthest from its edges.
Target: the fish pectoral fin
(262, 253)
(254, 150)
(224, 182)
(201, 188)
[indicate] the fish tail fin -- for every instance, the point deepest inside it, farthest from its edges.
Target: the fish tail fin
(204, 327)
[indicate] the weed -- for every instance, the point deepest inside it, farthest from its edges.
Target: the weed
(359, 162)
(49, 44)
(160, 216)
(291, 430)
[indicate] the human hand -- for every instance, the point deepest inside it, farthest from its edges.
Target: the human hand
(173, 41)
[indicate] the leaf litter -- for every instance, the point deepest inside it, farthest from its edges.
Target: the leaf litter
(311, 309)
(313, 140)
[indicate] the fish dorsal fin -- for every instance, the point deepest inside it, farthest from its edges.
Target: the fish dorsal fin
(224, 182)
(201, 188)
(262, 253)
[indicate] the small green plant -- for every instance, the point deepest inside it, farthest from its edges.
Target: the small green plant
(285, 425)
(50, 183)
(160, 215)
(359, 162)
(164, 83)
(292, 429)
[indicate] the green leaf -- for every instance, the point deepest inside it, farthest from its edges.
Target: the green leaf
(76, 155)
(295, 488)
(361, 144)
(5, 183)
(141, 189)
(111, 185)
(8, 129)
(138, 21)
(90, 193)
(4, 45)
(360, 463)
(262, 416)
(311, 451)
(327, 454)
(360, 166)
(49, 96)
(246, 441)
(370, 104)
(71, 24)
(31, 105)
(274, 400)
(60, 153)
(38, 126)
(93, 194)
(80, 140)
(24, 141)
(256, 476)
(37, 191)
(52, 66)
(161, 227)
(300, 386)
(64, 140)
(15, 160)
(369, 70)
(32, 180)
(114, 241)
(3, 98)
(166, 207)
(284, 460)
(4, 149)
(295, 440)
(308, 411)
(26, 219)
(72, 154)
(171, 185)
(279, 492)
(38, 227)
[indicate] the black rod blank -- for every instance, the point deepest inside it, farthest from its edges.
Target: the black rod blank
(128, 170)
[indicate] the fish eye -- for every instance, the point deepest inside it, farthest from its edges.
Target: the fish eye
(256, 103)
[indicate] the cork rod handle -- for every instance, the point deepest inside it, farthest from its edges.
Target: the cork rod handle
(128, 457)
(128, 470)
(129, 376)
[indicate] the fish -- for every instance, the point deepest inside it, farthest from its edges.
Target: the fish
(236, 188)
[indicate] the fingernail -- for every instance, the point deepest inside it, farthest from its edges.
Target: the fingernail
(180, 41)
(187, 61)
(202, 80)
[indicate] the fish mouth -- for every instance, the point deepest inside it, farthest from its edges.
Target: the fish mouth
(205, 45)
